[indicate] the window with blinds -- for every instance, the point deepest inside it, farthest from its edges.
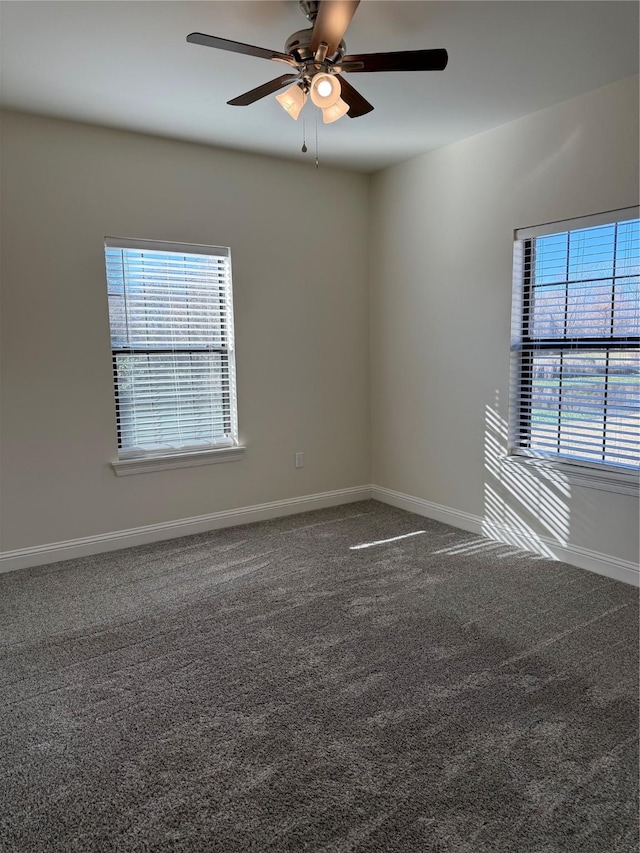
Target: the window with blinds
(171, 317)
(575, 392)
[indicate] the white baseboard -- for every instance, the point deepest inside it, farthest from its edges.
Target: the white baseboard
(583, 558)
(39, 555)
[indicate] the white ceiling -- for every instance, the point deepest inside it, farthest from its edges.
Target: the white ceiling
(127, 65)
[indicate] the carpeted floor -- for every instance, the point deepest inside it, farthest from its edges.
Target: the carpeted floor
(271, 688)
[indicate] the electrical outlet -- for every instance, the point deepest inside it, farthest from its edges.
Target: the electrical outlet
(299, 459)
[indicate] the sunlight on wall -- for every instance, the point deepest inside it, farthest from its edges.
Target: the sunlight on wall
(541, 171)
(521, 507)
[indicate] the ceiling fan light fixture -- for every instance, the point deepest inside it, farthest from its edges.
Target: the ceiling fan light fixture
(316, 57)
(334, 112)
(292, 100)
(325, 90)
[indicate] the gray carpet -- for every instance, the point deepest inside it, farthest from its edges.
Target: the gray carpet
(267, 688)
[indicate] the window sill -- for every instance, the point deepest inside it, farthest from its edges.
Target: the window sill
(146, 464)
(606, 480)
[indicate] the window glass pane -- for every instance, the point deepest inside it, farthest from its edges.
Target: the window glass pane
(545, 401)
(551, 259)
(583, 380)
(589, 309)
(622, 433)
(172, 400)
(626, 318)
(585, 405)
(628, 248)
(548, 311)
(591, 252)
(173, 300)
(118, 320)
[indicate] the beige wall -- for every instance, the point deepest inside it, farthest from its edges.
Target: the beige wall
(298, 242)
(441, 270)
(406, 275)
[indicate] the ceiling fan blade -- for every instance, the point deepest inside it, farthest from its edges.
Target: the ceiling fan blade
(402, 60)
(239, 47)
(358, 106)
(332, 20)
(263, 91)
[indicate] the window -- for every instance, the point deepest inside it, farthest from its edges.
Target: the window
(171, 316)
(576, 325)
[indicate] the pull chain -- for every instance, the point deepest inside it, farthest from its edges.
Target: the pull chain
(317, 162)
(304, 137)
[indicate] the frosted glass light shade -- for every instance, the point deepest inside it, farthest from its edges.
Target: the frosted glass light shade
(334, 112)
(292, 100)
(319, 86)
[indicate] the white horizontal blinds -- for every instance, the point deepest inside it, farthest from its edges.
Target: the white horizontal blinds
(578, 393)
(171, 336)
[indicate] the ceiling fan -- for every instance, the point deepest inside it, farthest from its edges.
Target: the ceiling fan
(317, 59)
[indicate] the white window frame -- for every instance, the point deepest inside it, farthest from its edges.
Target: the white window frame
(140, 459)
(601, 476)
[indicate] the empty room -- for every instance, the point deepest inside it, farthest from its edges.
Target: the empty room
(319, 426)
